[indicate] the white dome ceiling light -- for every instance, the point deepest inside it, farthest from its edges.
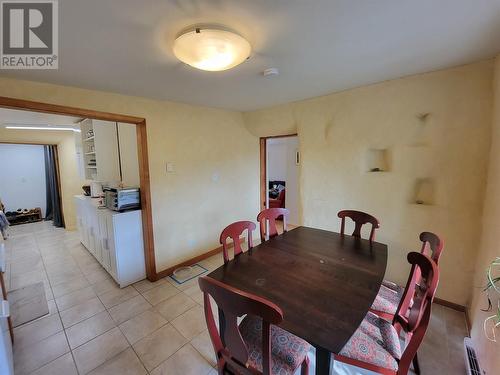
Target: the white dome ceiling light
(213, 49)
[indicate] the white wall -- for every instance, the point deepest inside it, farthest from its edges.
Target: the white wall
(22, 182)
(276, 160)
(281, 166)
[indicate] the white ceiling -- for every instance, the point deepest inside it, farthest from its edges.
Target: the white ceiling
(319, 46)
(18, 117)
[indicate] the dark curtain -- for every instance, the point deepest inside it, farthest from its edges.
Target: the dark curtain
(53, 211)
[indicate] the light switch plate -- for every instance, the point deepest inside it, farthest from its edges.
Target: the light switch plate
(170, 167)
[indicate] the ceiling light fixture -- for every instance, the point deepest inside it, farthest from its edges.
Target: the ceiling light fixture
(213, 49)
(40, 128)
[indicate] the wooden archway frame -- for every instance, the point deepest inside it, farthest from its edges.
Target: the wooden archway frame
(142, 151)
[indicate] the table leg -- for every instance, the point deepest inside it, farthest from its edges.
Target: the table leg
(323, 360)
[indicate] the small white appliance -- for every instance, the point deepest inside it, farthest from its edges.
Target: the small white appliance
(96, 189)
(120, 199)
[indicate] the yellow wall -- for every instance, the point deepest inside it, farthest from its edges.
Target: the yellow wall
(71, 182)
(451, 148)
(490, 246)
(215, 157)
(216, 162)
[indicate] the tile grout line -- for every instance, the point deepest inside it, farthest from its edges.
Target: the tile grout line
(57, 309)
(151, 307)
(59, 314)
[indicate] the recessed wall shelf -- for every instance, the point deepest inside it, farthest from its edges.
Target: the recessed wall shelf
(377, 160)
(88, 139)
(424, 192)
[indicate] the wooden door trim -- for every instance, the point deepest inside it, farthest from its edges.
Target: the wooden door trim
(14, 103)
(263, 172)
(142, 147)
(263, 165)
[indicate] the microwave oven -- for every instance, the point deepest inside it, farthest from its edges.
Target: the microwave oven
(120, 199)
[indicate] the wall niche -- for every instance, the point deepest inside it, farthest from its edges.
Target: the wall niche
(377, 160)
(424, 191)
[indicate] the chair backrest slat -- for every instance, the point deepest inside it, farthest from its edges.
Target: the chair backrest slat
(230, 349)
(415, 319)
(270, 215)
(360, 218)
(234, 231)
(432, 246)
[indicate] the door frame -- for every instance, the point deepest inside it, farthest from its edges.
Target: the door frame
(142, 153)
(263, 166)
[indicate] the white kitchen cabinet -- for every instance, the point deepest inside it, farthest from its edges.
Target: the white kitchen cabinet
(114, 238)
(80, 155)
(106, 151)
(102, 219)
(129, 160)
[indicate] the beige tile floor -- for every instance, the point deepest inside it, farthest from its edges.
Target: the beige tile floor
(94, 327)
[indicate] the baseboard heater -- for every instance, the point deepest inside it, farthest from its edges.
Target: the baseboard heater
(471, 360)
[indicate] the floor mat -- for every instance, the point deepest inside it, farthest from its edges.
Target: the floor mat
(27, 303)
(187, 274)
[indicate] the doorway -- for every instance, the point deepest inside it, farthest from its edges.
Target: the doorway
(142, 154)
(279, 180)
(30, 188)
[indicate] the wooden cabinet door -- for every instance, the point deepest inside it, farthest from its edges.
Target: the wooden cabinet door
(106, 151)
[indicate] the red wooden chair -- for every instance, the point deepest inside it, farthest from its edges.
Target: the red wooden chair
(375, 346)
(234, 231)
(359, 218)
(390, 293)
(278, 202)
(270, 215)
(256, 346)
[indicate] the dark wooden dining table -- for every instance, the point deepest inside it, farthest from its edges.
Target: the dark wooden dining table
(323, 281)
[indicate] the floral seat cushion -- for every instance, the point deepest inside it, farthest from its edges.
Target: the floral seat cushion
(288, 351)
(388, 298)
(376, 342)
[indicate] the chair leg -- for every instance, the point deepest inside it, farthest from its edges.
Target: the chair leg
(305, 366)
(416, 366)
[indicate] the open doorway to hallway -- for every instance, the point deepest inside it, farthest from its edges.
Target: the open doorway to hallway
(281, 184)
(32, 153)
(29, 190)
(102, 178)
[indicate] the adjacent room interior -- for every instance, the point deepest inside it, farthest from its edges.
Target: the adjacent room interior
(236, 187)
(282, 175)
